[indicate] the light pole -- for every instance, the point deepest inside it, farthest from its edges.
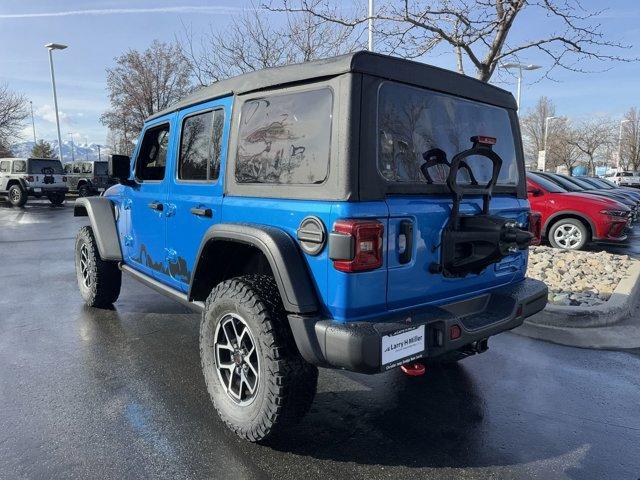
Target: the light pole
(520, 67)
(622, 122)
(73, 155)
(371, 9)
(33, 124)
(51, 47)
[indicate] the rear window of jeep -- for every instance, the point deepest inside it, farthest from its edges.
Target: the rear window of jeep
(412, 121)
(285, 139)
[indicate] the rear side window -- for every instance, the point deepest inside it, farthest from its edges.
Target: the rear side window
(152, 158)
(5, 167)
(200, 146)
(19, 166)
(413, 122)
(285, 139)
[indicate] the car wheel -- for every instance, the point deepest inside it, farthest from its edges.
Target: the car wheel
(56, 198)
(98, 280)
(17, 196)
(568, 234)
(257, 380)
(83, 191)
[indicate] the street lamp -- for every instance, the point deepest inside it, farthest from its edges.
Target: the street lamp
(371, 10)
(73, 155)
(622, 122)
(520, 67)
(51, 47)
(33, 123)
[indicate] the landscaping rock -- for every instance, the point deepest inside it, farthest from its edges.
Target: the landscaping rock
(577, 278)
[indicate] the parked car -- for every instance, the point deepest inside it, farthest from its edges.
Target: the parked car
(570, 220)
(312, 224)
(625, 179)
(87, 178)
(603, 184)
(21, 178)
(573, 184)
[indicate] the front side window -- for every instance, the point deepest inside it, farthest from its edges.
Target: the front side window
(152, 157)
(19, 166)
(285, 139)
(5, 167)
(413, 123)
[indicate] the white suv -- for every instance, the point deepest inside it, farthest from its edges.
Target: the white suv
(38, 177)
(625, 179)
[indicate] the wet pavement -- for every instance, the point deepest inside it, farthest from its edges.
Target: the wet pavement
(88, 393)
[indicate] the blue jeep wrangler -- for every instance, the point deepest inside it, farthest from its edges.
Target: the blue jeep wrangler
(361, 212)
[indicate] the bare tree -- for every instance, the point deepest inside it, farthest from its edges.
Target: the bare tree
(13, 112)
(251, 42)
(533, 124)
(561, 148)
(630, 140)
(478, 31)
(591, 137)
(143, 83)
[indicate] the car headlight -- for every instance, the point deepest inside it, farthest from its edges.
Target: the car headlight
(615, 213)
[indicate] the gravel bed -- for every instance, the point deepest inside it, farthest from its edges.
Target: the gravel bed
(577, 278)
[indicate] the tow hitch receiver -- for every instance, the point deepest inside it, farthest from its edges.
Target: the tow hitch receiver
(470, 243)
(415, 369)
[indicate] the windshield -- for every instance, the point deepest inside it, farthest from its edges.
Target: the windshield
(564, 183)
(41, 166)
(546, 184)
(581, 183)
(608, 182)
(597, 183)
(100, 168)
(414, 121)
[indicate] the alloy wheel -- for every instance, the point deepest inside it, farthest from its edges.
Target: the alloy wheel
(84, 266)
(236, 358)
(568, 236)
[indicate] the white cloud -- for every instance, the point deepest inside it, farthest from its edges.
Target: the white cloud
(210, 10)
(48, 114)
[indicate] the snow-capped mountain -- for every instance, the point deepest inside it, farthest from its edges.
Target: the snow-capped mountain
(80, 151)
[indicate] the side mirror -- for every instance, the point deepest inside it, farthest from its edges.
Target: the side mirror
(535, 192)
(119, 167)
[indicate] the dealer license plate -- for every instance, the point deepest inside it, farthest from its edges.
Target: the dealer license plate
(403, 346)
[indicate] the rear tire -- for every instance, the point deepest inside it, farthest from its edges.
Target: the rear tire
(83, 191)
(568, 234)
(56, 198)
(99, 281)
(17, 196)
(257, 380)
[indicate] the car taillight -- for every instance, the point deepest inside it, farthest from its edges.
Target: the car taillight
(535, 227)
(366, 239)
(30, 178)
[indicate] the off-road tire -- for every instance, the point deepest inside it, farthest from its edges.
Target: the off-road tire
(56, 198)
(570, 223)
(84, 190)
(287, 383)
(105, 277)
(17, 196)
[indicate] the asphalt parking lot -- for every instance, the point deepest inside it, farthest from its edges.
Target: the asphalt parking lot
(88, 393)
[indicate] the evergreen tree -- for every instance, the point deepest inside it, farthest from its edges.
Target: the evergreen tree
(43, 149)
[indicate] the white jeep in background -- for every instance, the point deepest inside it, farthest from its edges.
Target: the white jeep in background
(625, 179)
(21, 178)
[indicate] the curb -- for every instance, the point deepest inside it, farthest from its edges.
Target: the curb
(614, 310)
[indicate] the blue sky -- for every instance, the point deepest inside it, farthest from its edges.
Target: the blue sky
(113, 26)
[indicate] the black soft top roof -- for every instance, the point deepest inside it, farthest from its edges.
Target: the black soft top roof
(382, 66)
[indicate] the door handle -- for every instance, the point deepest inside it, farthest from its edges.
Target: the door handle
(156, 206)
(202, 212)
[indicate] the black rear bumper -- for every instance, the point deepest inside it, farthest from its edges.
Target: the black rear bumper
(46, 190)
(357, 346)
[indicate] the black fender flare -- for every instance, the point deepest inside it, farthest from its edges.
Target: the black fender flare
(100, 211)
(19, 181)
(572, 213)
(281, 251)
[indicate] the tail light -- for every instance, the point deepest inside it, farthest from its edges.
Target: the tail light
(365, 240)
(535, 227)
(30, 178)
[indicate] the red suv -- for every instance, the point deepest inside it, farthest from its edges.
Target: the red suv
(571, 219)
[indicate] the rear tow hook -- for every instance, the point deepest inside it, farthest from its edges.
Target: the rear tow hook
(415, 369)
